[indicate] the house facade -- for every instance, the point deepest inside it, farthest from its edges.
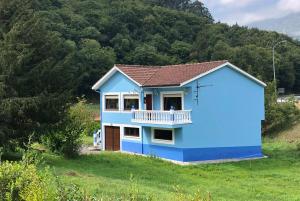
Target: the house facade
(189, 112)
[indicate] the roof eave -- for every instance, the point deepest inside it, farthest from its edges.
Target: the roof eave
(221, 66)
(160, 86)
(110, 73)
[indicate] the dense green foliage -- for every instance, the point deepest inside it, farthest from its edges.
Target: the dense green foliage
(53, 50)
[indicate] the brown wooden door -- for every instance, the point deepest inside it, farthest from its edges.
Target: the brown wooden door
(148, 101)
(112, 138)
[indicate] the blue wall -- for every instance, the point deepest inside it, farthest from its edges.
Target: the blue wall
(229, 112)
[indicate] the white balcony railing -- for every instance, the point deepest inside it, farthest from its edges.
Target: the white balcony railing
(162, 117)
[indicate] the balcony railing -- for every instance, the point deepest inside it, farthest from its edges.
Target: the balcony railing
(162, 117)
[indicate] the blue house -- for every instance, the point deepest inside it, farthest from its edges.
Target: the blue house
(187, 112)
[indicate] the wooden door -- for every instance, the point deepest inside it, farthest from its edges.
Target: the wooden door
(112, 138)
(148, 101)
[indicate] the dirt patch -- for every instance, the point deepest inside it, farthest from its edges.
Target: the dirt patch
(85, 150)
(298, 104)
(291, 135)
(72, 174)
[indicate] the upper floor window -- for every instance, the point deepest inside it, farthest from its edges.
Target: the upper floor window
(111, 102)
(131, 101)
(172, 100)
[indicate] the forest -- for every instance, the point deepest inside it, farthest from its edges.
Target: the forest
(52, 51)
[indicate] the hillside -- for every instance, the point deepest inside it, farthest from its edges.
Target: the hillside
(289, 25)
(53, 51)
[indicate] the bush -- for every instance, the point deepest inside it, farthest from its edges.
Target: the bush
(279, 115)
(66, 139)
(85, 116)
(22, 181)
(71, 192)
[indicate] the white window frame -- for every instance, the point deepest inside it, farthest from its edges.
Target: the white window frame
(163, 141)
(104, 101)
(131, 137)
(163, 93)
(122, 100)
(145, 93)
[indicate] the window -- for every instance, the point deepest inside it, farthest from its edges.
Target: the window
(131, 101)
(172, 100)
(163, 135)
(111, 102)
(131, 132)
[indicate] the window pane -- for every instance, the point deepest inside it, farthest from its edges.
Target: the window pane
(111, 102)
(132, 132)
(172, 101)
(131, 101)
(163, 134)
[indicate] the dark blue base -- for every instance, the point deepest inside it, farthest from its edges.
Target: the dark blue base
(193, 154)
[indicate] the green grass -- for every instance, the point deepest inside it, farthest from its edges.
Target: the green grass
(108, 175)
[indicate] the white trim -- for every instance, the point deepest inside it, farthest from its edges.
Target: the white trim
(145, 93)
(155, 87)
(104, 102)
(163, 141)
(110, 73)
(122, 100)
(131, 137)
(221, 66)
(162, 93)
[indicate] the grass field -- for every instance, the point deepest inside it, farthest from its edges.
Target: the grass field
(112, 175)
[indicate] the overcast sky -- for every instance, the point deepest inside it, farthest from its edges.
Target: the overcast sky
(246, 11)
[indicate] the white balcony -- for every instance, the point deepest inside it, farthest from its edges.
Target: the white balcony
(162, 117)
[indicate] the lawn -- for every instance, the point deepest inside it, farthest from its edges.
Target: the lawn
(112, 175)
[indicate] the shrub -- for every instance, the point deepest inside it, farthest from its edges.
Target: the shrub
(66, 138)
(197, 196)
(71, 192)
(279, 115)
(22, 181)
(85, 116)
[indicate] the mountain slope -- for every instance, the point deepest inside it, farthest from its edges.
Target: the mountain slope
(289, 25)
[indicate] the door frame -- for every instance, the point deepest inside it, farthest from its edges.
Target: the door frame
(151, 93)
(103, 134)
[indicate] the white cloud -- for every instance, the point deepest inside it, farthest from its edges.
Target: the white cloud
(289, 5)
(227, 3)
(244, 12)
(238, 3)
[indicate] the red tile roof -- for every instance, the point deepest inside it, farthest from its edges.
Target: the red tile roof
(171, 75)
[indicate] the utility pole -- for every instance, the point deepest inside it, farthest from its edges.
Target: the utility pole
(274, 70)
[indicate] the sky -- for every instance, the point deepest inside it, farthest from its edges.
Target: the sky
(245, 12)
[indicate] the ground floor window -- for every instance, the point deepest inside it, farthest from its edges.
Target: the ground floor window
(163, 136)
(131, 132)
